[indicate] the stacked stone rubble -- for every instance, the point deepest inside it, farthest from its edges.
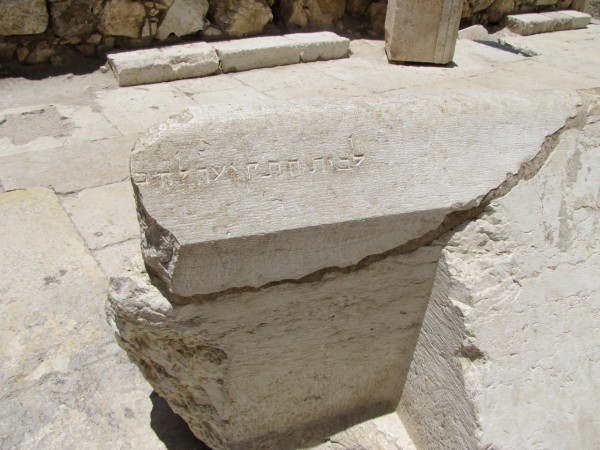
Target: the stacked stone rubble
(40, 31)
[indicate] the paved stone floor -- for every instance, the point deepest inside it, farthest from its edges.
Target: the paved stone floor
(67, 219)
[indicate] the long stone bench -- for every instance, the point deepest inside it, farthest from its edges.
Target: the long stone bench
(287, 250)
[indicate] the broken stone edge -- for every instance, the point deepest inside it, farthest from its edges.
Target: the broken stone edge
(202, 59)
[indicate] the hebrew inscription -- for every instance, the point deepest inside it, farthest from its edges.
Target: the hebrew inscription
(188, 172)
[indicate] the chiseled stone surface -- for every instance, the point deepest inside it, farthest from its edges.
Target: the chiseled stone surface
(282, 367)
(320, 46)
(228, 186)
(23, 17)
(164, 64)
(423, 32)
(508, 350)
(256, 53)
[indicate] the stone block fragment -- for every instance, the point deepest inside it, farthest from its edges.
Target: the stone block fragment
(256, 53)
(183, 17)
(164, 64)
(422, 32)
(273, 201)
(23, 17)
(525, 268)
(320, 46)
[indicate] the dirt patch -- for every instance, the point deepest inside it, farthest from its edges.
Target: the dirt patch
(27, 126)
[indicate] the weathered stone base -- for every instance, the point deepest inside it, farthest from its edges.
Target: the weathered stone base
(282, 366)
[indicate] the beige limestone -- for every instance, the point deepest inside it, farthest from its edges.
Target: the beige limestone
(508, 350)
(23, 17)
(183, 17)
(241, 17)
(256, 53)
(320, 46)
(423, 32)
(366, 161)
(122, 18)
(164, 64)
(528, 24)
(284, 367)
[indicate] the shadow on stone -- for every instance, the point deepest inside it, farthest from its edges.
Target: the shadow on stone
(77, 66)
(170, 428)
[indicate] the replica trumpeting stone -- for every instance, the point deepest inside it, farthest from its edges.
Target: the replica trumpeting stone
(242, 196)
(256, 53)
(422, 32)
(164, 64)
(320, 46)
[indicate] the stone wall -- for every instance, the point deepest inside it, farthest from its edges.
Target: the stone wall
(39, 31)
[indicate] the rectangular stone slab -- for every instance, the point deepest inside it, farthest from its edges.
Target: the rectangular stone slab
(240, 196)
(157, 65)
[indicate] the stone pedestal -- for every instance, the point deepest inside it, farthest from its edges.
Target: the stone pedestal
(422, 31)
(285, 248)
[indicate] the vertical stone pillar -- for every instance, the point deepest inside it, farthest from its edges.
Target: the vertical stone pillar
(422, 31)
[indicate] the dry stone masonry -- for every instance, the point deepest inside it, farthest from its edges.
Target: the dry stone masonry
(40, 31)
(289, 250)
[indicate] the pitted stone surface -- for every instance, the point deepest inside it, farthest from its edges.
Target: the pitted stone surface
(227, 195)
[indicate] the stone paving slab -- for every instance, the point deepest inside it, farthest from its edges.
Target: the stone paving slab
(135, 109)
(69, 169)
(104, 215)
(41, 127)
(64, 383)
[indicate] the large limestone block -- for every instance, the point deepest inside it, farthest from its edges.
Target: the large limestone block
(183, 17)
(241, 17)
(320, 46)
(258, 52)
(123, 18)
(23, 17)
(508, 352)
(164, 64)
(284, 367)
(423, 32)
(74, 17)
(242, 196)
